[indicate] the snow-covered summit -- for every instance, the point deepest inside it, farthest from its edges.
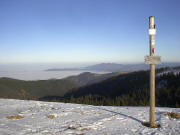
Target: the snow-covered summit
(49, 118)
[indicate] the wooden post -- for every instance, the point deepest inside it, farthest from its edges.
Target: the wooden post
(152, 60)
(152, 73)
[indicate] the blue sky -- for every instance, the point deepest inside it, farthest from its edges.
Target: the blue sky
(82, 31)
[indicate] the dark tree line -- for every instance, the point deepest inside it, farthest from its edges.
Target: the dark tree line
(128, 90)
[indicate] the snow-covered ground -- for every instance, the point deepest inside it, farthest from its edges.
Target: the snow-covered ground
(76, 119)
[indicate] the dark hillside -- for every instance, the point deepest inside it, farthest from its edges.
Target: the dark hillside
(115, 86)
(88, 78)
(12, 88)
(130, 89)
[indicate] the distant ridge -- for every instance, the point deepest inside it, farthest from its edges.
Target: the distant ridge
(63, 69)
(88, 78)
(114, 67)
(111, 67)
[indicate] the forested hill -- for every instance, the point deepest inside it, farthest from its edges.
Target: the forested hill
(88, 78)
(115, 86)
(124, 89)
(130, 89)
(12, 88)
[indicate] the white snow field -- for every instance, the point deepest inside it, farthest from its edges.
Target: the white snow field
(77, 119)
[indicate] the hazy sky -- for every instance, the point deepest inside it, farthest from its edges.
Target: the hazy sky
(87, 30)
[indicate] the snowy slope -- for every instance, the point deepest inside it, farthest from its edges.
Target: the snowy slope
(76, 119)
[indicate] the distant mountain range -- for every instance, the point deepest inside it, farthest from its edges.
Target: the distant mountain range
(114, 67)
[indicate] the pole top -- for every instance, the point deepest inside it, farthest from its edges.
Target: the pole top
(151, 22)
(151, 17)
